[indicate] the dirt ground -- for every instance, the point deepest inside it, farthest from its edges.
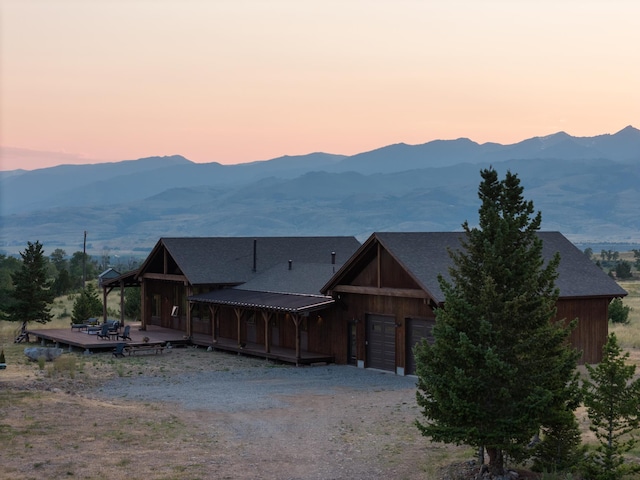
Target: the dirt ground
(54, 423)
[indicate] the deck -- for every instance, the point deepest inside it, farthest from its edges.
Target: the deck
(85, 341)
(73, 338)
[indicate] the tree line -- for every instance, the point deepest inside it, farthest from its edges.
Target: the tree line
(610, 261)
(29, 284)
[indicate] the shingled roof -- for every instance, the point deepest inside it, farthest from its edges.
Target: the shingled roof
(301, 278)
(230, 260)
(424, 255)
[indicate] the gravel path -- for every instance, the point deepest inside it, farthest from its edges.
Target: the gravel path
(252, 388)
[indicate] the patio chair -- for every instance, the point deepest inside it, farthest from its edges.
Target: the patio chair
(125, 334)
(119, 350)
(104, 331)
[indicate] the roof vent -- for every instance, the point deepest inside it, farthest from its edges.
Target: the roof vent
(333, 258)
(290, 264)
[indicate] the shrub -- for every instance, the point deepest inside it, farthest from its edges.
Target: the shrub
(618, 311)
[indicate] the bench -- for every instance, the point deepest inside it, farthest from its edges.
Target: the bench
(133, 350)
(79, 326)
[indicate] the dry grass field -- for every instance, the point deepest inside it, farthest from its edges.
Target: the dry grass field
(54, 422)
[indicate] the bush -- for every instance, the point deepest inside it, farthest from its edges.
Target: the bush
(86, 305)
(618, 311)
(623, 270)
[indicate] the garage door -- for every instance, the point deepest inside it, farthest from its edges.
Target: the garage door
(381, 342)
(417, 329)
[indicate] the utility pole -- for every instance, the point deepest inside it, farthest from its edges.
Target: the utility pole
(84, 260)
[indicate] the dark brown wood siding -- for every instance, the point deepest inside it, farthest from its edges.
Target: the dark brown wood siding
(359, 306)
(590, 334)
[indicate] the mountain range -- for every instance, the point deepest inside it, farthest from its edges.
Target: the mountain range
(585, 187)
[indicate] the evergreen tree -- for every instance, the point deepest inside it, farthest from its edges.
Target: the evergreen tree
(32, 294)
(623, 270)
(499, 369)
(613, 407)
(8, 266)
(132, 302)
(86, 305)
(618, 311)
(62, 284)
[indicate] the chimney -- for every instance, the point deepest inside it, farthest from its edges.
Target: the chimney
(333, 258)
(290, 263)
(255, 248)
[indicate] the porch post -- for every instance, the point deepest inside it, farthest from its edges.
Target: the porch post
(214, 321)
(143, 304)
(189, 292)
(104, 305)
(122, 303)
(238, 313)
(266, 316)
(296, 320)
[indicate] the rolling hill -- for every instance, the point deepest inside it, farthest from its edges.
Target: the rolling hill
(586, 187)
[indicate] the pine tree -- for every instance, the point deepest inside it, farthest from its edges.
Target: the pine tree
(32, 293)
(499, 367)
(86, 305)
(613, 407)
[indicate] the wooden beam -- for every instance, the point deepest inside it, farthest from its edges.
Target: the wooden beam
(189, 292)
(122, 303)
(238, 312)
(214, 309)
(266, 316)
(385, 292)
(296, 321)
(379, 267)
(164, 276)
(104, 305)
(143, 305)
(165, 261)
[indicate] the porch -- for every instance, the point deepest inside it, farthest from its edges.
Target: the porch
(73, 338)
(287, 355)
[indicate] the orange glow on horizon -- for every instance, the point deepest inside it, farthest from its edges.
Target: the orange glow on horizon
(234, 82)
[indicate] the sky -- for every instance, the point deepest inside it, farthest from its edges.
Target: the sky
(231, 81)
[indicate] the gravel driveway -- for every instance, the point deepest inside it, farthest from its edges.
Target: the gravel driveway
(252, 388)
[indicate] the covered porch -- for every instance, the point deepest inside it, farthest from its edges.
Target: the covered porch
(286, 355)
(261, 307)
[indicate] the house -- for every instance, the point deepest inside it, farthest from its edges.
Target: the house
(107, 275)
(389, 289)
(260, 295)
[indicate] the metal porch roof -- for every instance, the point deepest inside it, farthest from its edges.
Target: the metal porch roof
(272, 301)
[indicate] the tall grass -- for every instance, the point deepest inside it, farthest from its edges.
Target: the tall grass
(629, 334)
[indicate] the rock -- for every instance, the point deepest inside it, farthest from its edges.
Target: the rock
(49, 354)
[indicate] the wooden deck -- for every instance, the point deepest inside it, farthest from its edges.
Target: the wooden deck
(74, 338)
(85, 341)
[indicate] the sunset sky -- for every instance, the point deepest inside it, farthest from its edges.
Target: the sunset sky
(230, 81)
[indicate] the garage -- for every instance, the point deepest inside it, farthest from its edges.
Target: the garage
(381, 342)
(417, 329)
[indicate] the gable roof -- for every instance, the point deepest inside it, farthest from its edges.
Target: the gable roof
(424, 255)
(230, 260)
